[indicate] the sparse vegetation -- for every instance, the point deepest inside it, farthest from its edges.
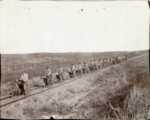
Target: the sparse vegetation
(121, 92)
(128, 100)
(48, 108)
(11, 65)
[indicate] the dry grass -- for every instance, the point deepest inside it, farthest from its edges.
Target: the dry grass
(120, 93)
(126, 98)
(35, 64)
(36, 82)
(47, 108)
(8, 88)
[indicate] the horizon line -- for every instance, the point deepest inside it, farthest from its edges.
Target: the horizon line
(73, 52)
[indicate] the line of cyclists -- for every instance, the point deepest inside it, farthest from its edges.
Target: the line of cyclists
(74, 71)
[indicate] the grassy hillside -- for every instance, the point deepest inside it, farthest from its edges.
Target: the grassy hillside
(34, 64)
(127, 101)
(120, 92)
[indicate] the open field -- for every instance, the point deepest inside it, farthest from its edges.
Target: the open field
(11, 65)
(34, 64)
(120, 92)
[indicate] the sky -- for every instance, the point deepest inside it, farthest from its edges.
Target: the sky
(77, 26)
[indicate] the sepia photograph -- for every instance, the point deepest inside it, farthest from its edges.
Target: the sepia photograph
(74, 59)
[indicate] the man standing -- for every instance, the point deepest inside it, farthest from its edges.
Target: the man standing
(91, 66)
(77, 70)
(84, 68)
(87, 67)
(60, 72)
(73, 69)
(80, 69)
(22, 82)
(95, 65)
(48, 75)
(57, 77)
(99, 64)
(70, 73)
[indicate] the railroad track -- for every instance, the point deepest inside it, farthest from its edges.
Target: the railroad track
(10, 96)
(55, 86)
(23, 97)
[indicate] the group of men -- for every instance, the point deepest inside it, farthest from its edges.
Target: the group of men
(94, 65)
(74, 71)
